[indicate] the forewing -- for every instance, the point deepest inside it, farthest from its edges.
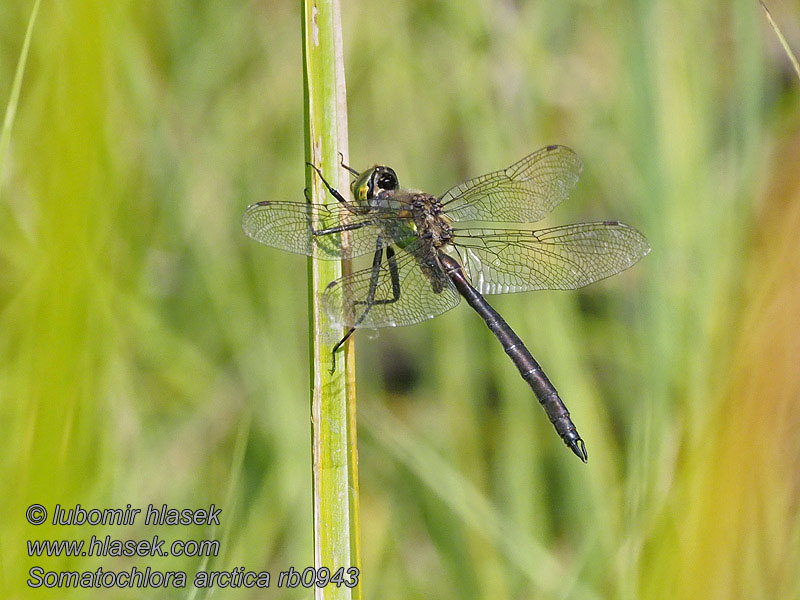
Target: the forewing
(523, 193)
(422, 296)
(558, 258)
(288, 226)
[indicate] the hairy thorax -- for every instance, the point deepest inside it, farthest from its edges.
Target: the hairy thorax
(433, 227)
(433, 231)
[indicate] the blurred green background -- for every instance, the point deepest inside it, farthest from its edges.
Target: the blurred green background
(150, 352)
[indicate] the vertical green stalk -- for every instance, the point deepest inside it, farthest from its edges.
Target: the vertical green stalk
(335, 459)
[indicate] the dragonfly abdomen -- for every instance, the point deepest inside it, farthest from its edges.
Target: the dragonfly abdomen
(530, 370)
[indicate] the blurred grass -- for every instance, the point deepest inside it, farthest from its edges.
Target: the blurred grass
(786, 48)
(11, 109)
(150, 353)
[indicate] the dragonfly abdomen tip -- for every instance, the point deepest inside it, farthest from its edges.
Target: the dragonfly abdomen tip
(579, 449)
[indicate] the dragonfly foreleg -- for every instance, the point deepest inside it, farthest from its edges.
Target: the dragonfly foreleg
(334, 192)
(351, 169)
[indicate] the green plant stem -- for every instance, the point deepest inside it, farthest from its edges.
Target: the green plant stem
(335, 458)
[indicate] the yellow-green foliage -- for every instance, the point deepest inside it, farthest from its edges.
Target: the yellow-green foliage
(150, 352)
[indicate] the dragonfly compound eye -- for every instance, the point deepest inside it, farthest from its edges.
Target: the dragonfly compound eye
(387, 180)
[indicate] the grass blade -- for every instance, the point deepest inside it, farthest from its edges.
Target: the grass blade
(783, 41)
(13, 100)
(336, 529)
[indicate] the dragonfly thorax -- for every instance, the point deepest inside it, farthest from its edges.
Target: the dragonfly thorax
(431, 223)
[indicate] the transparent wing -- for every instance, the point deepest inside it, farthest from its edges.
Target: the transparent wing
(424, 292)
(558, 258)
(523, 193)
(287, 225)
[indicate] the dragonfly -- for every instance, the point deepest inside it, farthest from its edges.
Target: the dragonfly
(429, 252)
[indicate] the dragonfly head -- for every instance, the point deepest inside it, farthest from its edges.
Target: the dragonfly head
(373, 181)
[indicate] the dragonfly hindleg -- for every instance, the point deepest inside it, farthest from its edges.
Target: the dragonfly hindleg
(395, 277)
(373, 287)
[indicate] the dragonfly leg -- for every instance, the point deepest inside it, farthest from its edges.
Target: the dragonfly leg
(341, 228)
(351, 169)
(395, 275)
(338, 345)
(373, 286)
(334, 192)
